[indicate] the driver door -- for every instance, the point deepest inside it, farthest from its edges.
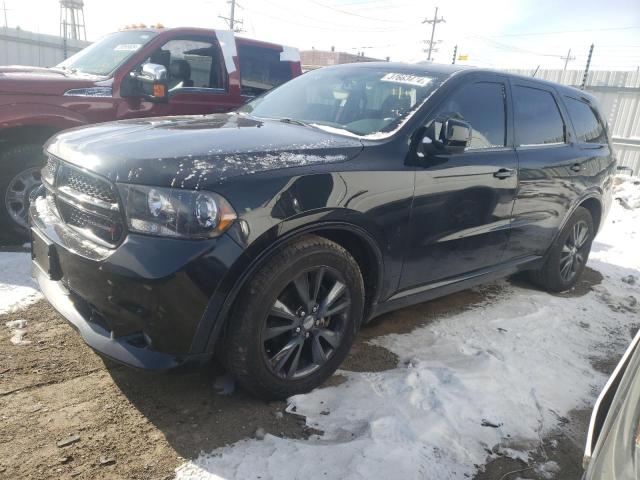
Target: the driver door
(461, 214)
(197, 78)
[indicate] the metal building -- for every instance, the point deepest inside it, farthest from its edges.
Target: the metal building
(20, 47)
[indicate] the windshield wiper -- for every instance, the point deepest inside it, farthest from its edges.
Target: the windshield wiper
(294, 122)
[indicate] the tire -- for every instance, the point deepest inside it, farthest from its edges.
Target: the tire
(19, 175)
(256, 339)
(564, 265)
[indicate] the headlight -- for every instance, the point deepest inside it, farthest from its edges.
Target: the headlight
(173, 212)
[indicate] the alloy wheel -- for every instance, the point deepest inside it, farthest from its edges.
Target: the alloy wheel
(574, 251)
(306, 323)
(18, 193)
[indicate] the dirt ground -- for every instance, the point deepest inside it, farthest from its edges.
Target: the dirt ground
(68, 413)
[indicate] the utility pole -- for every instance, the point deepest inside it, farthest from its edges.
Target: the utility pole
(586, 69)
(455, 52)
(566, 59)
(65, 50)
(433, 24)
(231, 19)
(4, 7)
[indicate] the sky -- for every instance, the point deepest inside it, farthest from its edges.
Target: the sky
(492, 33)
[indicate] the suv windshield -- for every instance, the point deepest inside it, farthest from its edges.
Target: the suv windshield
(107, 54)
(361, 100)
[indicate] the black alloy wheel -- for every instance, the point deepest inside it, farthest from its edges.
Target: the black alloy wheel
(574, 252)
(294, 322)
(306, 323)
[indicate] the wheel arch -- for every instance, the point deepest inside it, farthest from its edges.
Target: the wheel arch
(26, 134)
(353, 238)
(592, 201)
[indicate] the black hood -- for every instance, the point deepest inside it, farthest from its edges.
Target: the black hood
(195, 152)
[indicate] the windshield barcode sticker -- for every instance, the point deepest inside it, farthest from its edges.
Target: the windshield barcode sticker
(127, 47)
(406, 79)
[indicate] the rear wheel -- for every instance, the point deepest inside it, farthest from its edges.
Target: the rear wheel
(568, 255)
(19, 177)
(295, 322)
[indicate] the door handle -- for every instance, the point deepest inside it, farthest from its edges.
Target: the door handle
(576, 167)
(504, 173)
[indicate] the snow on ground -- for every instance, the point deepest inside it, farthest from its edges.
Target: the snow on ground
(493, 379)
(17, 288)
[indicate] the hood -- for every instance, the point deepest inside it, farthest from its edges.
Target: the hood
(196, 152)
(40, 81)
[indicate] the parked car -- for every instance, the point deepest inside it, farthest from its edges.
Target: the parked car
(132, 73)
(613, 441)
(269, 235)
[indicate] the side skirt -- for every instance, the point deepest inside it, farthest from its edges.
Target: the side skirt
(430, 291)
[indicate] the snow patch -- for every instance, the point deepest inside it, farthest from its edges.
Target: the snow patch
(489, 381)
(18, 329)
(17, 288)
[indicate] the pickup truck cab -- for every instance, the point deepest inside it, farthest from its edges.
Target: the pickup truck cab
(138, 72)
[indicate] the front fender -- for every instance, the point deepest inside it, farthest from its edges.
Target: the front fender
(260, 251)
(30, 114)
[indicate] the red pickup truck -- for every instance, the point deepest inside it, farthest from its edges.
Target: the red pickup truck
(137, 72)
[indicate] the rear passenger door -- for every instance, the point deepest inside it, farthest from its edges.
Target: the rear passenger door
(462, 207)
(547, 162)
(594, 164)
(261, 68)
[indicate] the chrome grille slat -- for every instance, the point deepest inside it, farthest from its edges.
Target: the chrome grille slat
(86, 202)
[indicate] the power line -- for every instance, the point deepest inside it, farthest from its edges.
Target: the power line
(346, 12)
(631, 27)
(329, 28)
(328, 23)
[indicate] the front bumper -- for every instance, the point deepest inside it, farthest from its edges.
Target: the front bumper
(145, 303)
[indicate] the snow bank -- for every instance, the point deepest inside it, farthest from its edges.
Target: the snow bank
(492, 379)
(17, 288)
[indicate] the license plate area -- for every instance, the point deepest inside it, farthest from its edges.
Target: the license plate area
(45, 255)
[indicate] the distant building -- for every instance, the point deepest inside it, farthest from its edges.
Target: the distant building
(20, 47)
(312, 59)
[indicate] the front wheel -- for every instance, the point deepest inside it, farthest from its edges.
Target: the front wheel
(295, 322)
(568, 255)
(19, 176)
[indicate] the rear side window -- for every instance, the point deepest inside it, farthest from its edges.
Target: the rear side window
(482, 106)
(588, 127)
(537, 117)
(261, 69)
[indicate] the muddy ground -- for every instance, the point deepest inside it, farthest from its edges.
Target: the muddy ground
(67, 413)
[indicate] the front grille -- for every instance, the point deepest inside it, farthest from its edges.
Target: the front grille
(83, 183)
(86, 202)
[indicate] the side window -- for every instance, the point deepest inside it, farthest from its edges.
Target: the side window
(588, 127)
(482, 105)
(190, 63)
(537, 117)
(261, 69)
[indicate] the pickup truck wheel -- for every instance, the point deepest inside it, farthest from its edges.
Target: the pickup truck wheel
(568, 255)
(19, 177)
(295, 322)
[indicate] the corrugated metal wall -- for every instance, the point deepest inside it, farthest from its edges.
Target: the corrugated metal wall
(19, 47)
(619, 97)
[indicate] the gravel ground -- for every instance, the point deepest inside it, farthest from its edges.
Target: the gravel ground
(123, 423)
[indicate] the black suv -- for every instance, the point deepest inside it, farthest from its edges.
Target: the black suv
(269, 235)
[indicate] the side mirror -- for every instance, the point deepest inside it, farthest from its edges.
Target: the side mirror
(152, 80)
(444, 135)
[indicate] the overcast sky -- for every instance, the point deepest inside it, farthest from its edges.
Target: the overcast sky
(495, 33)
